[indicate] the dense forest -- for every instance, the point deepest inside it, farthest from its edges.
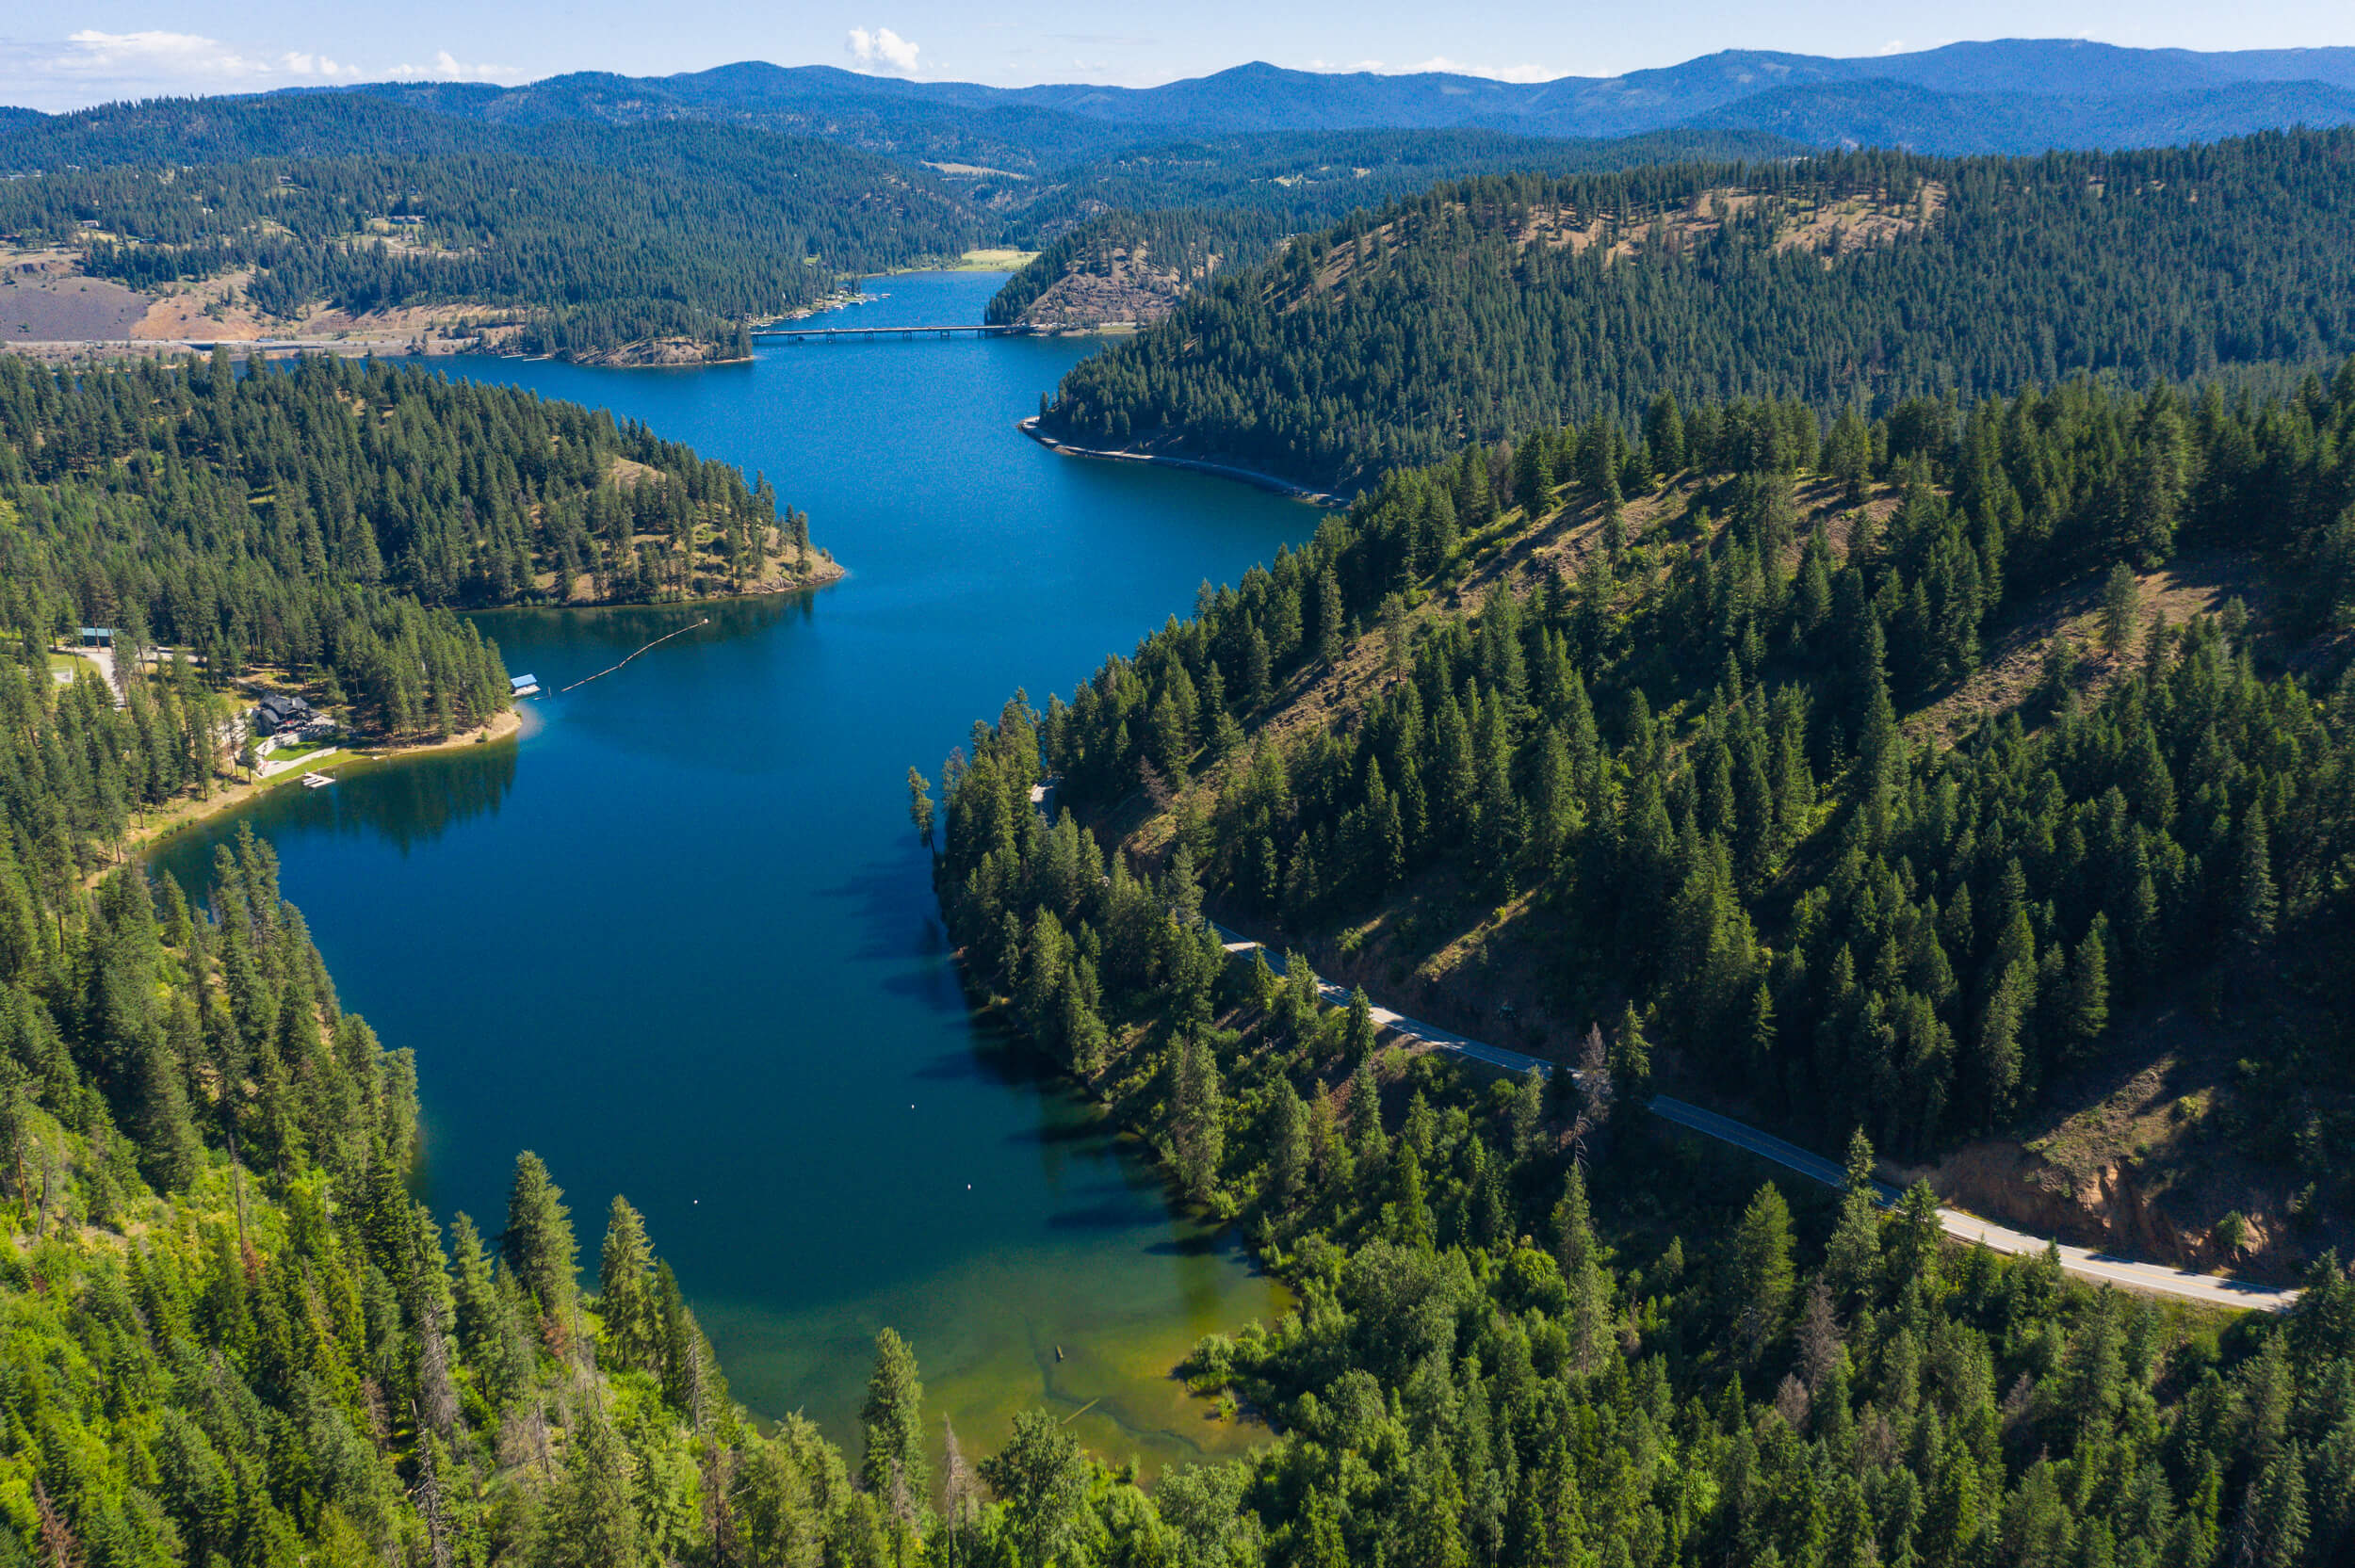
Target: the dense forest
(232, 1337)
(1694, 756)
(1487, 307)
(235, 1339)
(593, 237)
(1236, 197)
(254, 517)
(1527, 1334)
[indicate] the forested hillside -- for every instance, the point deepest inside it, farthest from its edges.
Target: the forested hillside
(590, 238)
(1611, 701)
(232, 1336)
(1492, 306)
(1690, 728)
(249, 517)
(1231, 199)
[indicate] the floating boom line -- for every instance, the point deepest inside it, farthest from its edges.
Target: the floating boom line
(656, 643)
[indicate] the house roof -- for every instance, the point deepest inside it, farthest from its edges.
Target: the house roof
(519, 681)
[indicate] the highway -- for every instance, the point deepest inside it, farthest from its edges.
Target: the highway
(2153, 1279)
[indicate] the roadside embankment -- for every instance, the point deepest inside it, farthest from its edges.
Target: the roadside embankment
(2097, 1265)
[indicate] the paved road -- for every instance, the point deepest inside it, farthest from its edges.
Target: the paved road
(1406, 1029)
(2157, 1279)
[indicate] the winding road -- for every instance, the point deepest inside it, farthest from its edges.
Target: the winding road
(2154, 1279)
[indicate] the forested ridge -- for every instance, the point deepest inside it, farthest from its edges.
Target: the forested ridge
(592, 237)
(1236, 197)
(1534, 1327)
(1490, 306)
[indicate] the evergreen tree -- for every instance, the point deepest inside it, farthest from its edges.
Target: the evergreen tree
(1852, 1257)
(1760, 1270)
(538, 1243)
(892, 1421)
(1042, 1478)
(624, 1288)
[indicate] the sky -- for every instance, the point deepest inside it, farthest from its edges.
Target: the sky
(69, 53)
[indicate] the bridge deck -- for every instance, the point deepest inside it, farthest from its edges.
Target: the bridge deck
(977, 328)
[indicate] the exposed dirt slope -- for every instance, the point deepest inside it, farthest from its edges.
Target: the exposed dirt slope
(1119, 288)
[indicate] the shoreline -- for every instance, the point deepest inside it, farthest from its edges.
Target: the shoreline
(506, 725)
(825, 575)
(1029, 427)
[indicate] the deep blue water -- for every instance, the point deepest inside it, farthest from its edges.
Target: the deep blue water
(679, 939)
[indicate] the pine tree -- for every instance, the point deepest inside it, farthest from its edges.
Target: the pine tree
(1289, 1163)
(892, 1421)
(2121, 595)
(1631, 1061)
(2088, 1006)
(624, 1288)
(1580, 1258)
(2254, 902)
(1358, 1031)
(921, 806)
(538, 1243)
(1366, 1137)
(1852, 1257)
(1761, 1272)
(1198, 1118)
(1041, 1477)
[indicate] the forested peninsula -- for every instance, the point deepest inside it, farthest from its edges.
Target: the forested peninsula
(1872, 781)
(311, 530)
(1487, 307)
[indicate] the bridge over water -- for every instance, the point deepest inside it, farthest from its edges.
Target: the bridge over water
(790, 334)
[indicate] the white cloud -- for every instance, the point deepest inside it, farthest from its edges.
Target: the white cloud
(881, 50)
(91, 66)
(1497, 72)
(1894, 46)
(186, 57)
(449, 68)
(1440, 63)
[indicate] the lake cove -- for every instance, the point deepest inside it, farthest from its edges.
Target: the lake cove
(679, 938)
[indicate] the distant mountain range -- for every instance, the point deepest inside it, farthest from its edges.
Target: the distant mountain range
(2011, 96)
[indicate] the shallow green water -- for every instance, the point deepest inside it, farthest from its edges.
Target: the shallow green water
(679, 939)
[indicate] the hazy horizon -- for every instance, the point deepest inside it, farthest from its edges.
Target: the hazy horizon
(63, 55)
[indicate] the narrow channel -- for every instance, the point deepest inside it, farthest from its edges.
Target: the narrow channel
(679, 939)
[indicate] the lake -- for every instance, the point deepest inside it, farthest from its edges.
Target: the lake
(679, 937)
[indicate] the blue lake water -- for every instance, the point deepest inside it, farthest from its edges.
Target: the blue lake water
(679, 938)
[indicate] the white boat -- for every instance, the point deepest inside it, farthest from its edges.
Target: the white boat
(316, 781)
